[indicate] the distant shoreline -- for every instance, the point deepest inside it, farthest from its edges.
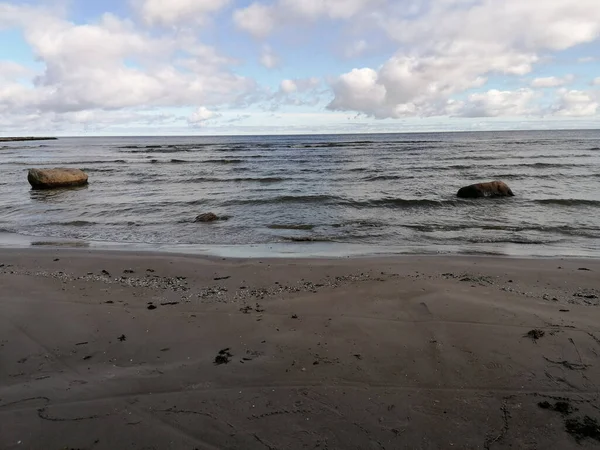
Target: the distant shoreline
(20, 139)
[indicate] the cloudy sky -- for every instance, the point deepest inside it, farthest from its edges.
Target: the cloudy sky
(94, 67)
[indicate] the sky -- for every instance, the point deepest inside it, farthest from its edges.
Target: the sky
(186, 67)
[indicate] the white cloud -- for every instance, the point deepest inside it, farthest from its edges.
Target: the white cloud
(11, 71)
(495, 103)
(575, 103)
(549, 82)
(333, 9)
(260, 19)
(299, 85)
(112, 64)
(268, 58)
(596, 81)
(202, 115)
(356, 48)
(586, 59)
(288, 86)
(454, 46)
(175, 12)
(256, 19)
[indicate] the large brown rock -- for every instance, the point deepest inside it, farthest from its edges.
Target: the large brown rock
(56, 178)
(491, 189)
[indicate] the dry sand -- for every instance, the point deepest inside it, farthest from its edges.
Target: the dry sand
(387, 353)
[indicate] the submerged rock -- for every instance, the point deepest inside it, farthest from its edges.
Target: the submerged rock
(491, 189)
(56, 178)
(207, 217)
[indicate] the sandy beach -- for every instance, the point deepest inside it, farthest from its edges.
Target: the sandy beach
(107, 350)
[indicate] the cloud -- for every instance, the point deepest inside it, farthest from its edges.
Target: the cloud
(298, 85)
(549, 82)
(587, 59)
(495, 103)
(11, 71)
(452, 47)
(256, 19)
(575, 103)
(202, 115)
(176, 12)
(260, 19)
(268, 58)
(596, 81)
(356, 48)
(112, 64)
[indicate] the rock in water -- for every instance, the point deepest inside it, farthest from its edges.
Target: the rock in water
(491, 189)
(55, 178)
(207, 217)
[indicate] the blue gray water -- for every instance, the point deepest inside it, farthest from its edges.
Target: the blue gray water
(391, 192)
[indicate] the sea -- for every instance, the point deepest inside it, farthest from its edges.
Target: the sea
(311, 195)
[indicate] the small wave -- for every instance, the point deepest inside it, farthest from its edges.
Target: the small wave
(73, 223)
(178, 161)
(543, 165)
(291, 227)
(359, 224)
(234, 180)
(306, 239)
(389, 177)
(336, 144)
(286, 199)
(568, 202)
(97, 170)
(395, 202)
(223, 161)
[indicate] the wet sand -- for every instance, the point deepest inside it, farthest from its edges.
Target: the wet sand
(102, 350)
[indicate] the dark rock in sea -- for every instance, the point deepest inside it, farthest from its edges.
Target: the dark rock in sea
(207, 217)
(491, 189)
(56, 178)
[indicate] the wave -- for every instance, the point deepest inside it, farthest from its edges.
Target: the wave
(223, 161)
(73, 223)
(97, 170)
(389, 177)
(568, 202)
(397, 202)
(462, 227)
(346, 202)
(336, 144)
(235, 180)
(286, 199)
(291, 227)
(306, 239)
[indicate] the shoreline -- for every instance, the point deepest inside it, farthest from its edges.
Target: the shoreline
(110, 349)
(297, 250)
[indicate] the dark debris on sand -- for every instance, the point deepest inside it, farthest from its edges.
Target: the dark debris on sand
(535, 334)
(562, 407)
(581, 428)
(223, 357)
